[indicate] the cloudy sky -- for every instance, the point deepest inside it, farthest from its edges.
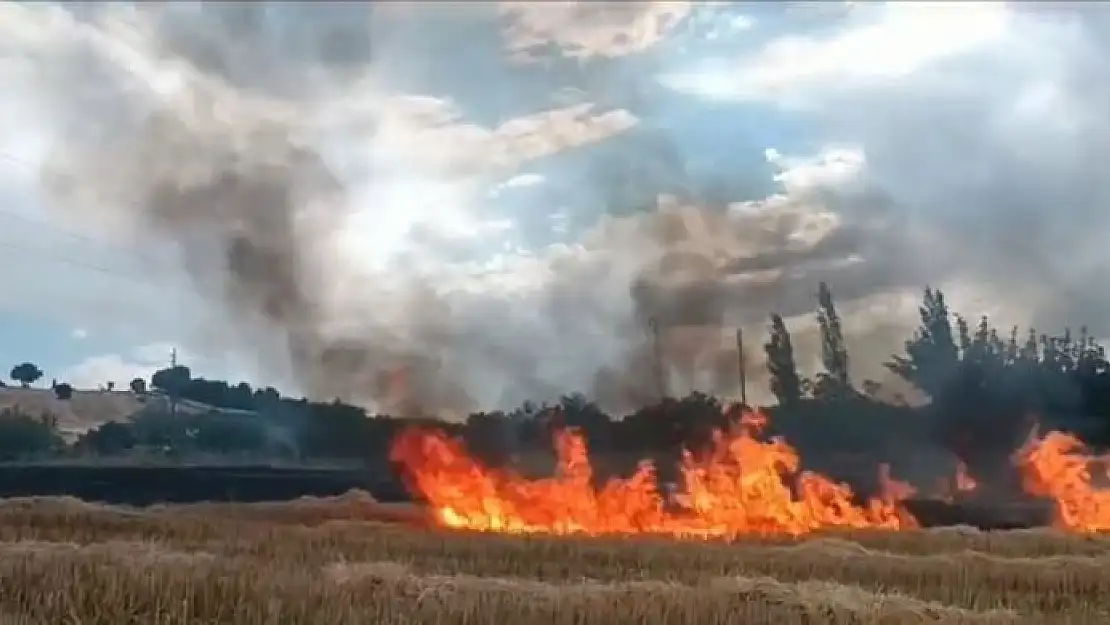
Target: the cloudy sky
(703, 164)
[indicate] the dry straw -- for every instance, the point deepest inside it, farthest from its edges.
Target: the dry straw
(332, 561)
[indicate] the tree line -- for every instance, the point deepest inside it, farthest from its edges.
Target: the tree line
(983, 384)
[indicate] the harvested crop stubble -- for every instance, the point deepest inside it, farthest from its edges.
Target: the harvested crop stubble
(201, 564)
(121, 582)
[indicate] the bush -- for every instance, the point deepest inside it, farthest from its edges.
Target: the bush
(63, 391)
(110, 439)
(23, 436)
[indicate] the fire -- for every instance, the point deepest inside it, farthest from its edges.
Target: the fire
(746, 484)
(960, 483)
(1058, 467)
(964, 482)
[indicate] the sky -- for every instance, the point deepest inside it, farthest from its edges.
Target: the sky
(494, 149)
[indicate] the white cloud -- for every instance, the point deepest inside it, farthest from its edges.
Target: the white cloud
(982, 126)
(432, 135)
(588, 29)
(519, 181)
(524, 180)
(834, 166)
(143, 360)
(97, 371)
(887, 41)
(79, 334)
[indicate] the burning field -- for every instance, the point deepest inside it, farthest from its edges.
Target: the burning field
(744, 483)
(747, 538)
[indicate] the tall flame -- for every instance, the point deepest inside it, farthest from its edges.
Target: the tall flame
(747, 484)
(1058, 466)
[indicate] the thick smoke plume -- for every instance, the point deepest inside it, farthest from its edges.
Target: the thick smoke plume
(204, 127)
(252, 136)
(181, 126)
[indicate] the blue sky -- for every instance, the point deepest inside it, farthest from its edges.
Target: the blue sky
(879, 146)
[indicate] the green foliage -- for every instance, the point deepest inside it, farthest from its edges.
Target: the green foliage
(786, 385)
(63, 391)
(26, 374)
(110, 439)
(23, 436)
(219, 433)
(156, 431)
(932, 354)
(835, 381)
(172, 380)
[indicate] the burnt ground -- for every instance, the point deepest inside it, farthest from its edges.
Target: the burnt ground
(141, 486)
(144, 486)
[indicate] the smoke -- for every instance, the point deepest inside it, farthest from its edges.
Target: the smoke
(345, 231)
(213, 128)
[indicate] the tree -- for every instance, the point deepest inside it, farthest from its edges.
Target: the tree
(577, 411)
(834, 354)
(932, 355)
(265, 398)
(23, 436)
(172, 380)
(63, 391)
(138, 386)
(109, 439)
(785, 382)
(26, 374)
(111, 386)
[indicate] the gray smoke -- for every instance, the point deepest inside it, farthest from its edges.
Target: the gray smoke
(206, 125)
(240, 134)
(186, 126)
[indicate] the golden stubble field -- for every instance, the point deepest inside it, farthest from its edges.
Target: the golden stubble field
(321, 562)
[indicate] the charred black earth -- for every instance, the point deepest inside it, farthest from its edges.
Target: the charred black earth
(143, 486)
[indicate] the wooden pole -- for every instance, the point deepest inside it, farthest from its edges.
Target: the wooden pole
(742, 363)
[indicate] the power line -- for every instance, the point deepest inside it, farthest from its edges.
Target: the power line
(38, 223)
(164, 288)
(102, 245)
(83, 265)
(128, 251)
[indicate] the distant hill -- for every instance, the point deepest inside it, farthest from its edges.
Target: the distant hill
(89, 409)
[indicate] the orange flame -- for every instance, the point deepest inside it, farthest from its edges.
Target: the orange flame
(964, 482)
(743, 486)
(1058, 467)
(959, 483)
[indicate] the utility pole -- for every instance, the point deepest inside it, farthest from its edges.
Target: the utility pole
(173, 391)
(657, 350)
(742, 362)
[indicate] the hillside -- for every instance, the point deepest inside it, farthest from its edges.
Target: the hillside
(86, 409)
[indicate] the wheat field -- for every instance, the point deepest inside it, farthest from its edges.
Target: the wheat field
(334, 561)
